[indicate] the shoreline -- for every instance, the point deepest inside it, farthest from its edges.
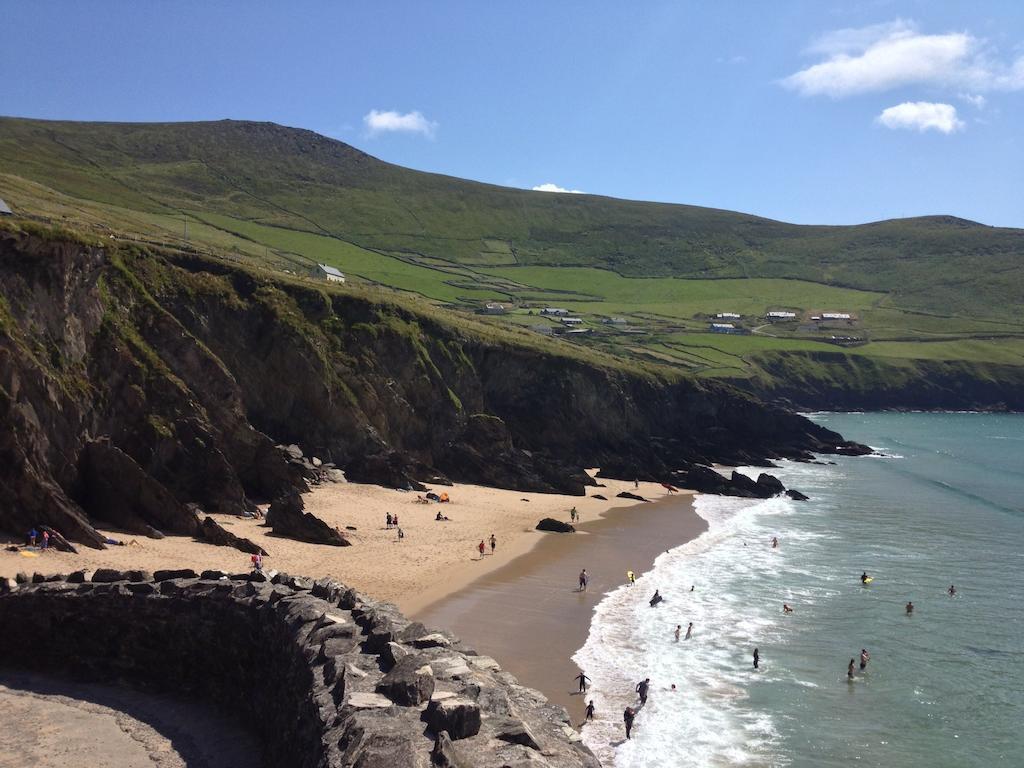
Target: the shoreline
(528, 613)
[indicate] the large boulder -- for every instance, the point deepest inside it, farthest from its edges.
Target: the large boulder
(120, 492)
(287, 518)
(556, 526)
(213, 532)
(458, 716)
(409, 683)
(770, 483)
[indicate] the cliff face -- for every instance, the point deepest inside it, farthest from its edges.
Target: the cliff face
(178, 375)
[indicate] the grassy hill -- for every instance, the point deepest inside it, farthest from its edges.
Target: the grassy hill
(932, 288)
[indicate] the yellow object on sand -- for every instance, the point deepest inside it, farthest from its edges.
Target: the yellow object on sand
(23, 553)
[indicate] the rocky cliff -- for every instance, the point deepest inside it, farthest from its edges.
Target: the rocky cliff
(137, 385)
(323, 676)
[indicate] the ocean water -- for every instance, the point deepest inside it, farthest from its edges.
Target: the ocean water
(945, 685)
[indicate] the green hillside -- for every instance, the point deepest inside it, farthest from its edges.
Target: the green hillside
(934, 288)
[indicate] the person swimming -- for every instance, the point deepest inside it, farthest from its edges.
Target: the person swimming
(657, 598)
(952, 591)
(786, 608)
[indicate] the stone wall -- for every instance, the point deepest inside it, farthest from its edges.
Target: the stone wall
(323, 675)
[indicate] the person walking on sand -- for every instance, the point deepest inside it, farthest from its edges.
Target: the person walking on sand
(627, 718)
(642, 688)
(590, 711)
(401, 534)
(584, 579)
(394, 520)
(32, 537)
(865, 657)
(46, 539)
(257, 563)
(910, 607)
(849, 671)
(480, 547)
(388, 521)
(757, 658)
(689, 631)
(679, 628)
(583, 680)
(494, 543)
(636, 483)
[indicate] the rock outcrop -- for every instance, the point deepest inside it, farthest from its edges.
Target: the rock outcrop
(296, 660)
(555, 526)
(287, 518)
(180, 376)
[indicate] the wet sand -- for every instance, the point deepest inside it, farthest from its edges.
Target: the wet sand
(529, 614)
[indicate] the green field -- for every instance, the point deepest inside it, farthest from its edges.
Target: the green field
(932, 288)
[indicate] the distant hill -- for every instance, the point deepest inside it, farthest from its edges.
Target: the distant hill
(937, 288)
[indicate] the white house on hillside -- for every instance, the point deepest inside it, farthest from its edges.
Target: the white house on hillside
(781, 315)
(325, 272)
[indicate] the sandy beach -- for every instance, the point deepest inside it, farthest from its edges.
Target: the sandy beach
(433, 560)
(530, 615)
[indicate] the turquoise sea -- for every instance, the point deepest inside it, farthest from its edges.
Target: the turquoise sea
(942, 505)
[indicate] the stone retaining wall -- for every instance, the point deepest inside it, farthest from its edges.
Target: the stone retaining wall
(324, 676)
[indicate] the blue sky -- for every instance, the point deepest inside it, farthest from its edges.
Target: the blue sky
(814, 112)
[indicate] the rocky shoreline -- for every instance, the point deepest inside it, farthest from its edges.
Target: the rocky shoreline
(326, 677)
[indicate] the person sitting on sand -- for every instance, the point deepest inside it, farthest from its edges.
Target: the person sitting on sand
(786, 608)
(421, 499)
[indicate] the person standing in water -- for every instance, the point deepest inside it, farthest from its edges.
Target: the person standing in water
(910, 607)
(679, 628)
(494, 543)
(642, 688)
(865, 657)
(627, 718)
(757, 658)
(590, 711)
(849, 671)
(864, 577)
(583, 680)
(630, 578)
(775, 542)
(689, 630)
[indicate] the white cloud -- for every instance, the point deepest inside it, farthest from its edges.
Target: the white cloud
(974, 99)
(886, 56)
(549, 187)
(377, 121)
(921, 116)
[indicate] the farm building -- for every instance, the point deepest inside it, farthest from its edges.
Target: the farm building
(614, 321)
(493, 308)
(781, 315)
(835, 315)
(727, 316)
(324, 272)
(724, 328)
(572, 321)
(554, 312)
